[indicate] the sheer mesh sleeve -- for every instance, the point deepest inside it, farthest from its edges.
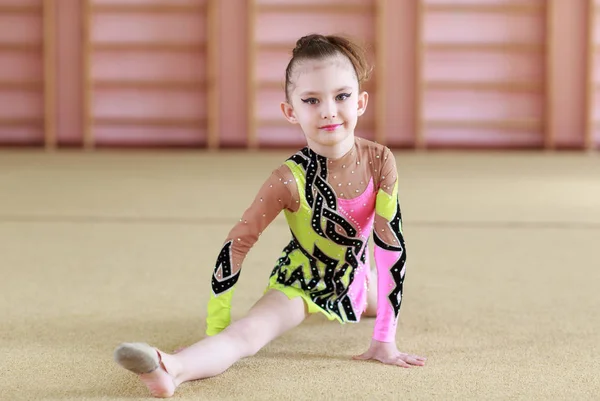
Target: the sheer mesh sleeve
(277, 193)
(389, 251)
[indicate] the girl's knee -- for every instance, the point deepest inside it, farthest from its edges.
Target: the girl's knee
(249, 334)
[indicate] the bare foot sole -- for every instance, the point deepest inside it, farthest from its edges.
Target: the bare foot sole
(144, 361)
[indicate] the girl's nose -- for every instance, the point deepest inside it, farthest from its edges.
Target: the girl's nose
(328, 111)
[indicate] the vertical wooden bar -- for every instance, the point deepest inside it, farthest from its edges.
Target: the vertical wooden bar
(549, 93)
(212, 17)
(50, 107)
(420, 140)
(381, 74)
(590, 77)
(251, 78)
(88, 138)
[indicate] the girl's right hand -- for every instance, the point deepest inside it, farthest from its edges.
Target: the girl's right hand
(388, 354)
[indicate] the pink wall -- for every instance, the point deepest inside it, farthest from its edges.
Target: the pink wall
(419, 96)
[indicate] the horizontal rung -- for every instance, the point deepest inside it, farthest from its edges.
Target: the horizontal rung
(20, 122)
(316, 8)
(24, 85)
(270, 84)
(150, 122)
(132, 84)
(162, 47)
(273, 122)
(483, 47)
(20, 9)
(276, 47)
(21, 47)
(148, 8)
(513, 125)
(514, 8)
(485, 86)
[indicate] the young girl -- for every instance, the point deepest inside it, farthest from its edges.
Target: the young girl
(334, 193)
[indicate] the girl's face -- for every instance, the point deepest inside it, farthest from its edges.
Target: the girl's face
(325, 101)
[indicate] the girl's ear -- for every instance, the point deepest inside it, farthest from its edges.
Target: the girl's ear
(363, 99)
(288, 112)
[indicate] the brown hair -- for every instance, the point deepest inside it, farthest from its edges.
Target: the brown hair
(318, 47)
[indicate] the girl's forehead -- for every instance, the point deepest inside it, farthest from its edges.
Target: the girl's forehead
(333, 70)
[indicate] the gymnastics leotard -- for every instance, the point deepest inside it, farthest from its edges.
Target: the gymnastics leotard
(331, 207)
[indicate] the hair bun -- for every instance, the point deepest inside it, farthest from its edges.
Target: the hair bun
(306, 41)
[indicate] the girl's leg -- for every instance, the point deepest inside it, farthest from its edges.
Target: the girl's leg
(371, 310)
(270, 317)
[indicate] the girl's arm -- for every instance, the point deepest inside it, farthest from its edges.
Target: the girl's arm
(389, 251)
(275, 194)
(390, 258)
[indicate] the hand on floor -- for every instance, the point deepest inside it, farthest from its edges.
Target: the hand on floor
(388, 353)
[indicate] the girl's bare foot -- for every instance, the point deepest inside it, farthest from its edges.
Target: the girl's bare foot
(145, 361)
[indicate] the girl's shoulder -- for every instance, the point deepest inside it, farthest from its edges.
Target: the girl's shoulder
(375, 157)
(371, 149)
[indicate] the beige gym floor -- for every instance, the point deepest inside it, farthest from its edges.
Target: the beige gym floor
(502, 291)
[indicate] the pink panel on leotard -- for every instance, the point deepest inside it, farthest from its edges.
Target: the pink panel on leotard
(359, 211)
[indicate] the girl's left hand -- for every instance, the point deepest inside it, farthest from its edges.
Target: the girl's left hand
(388, 354)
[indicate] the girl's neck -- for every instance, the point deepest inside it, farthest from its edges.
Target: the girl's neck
(333, 152)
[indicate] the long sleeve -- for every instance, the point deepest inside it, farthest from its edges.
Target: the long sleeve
(389, 251)
(275, 195)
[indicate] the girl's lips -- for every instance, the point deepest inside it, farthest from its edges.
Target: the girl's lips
(331, 127)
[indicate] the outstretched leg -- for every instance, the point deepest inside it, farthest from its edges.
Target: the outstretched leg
(270, 317)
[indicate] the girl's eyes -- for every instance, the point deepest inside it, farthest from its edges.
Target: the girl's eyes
(340, 97)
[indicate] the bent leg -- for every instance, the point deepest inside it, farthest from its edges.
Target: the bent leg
(371, 310)
(270, 317)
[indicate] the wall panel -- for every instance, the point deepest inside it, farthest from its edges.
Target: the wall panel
(145, 80)
(474, 87)
(21, 72)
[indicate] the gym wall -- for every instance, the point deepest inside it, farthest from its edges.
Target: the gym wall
(500, 74)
